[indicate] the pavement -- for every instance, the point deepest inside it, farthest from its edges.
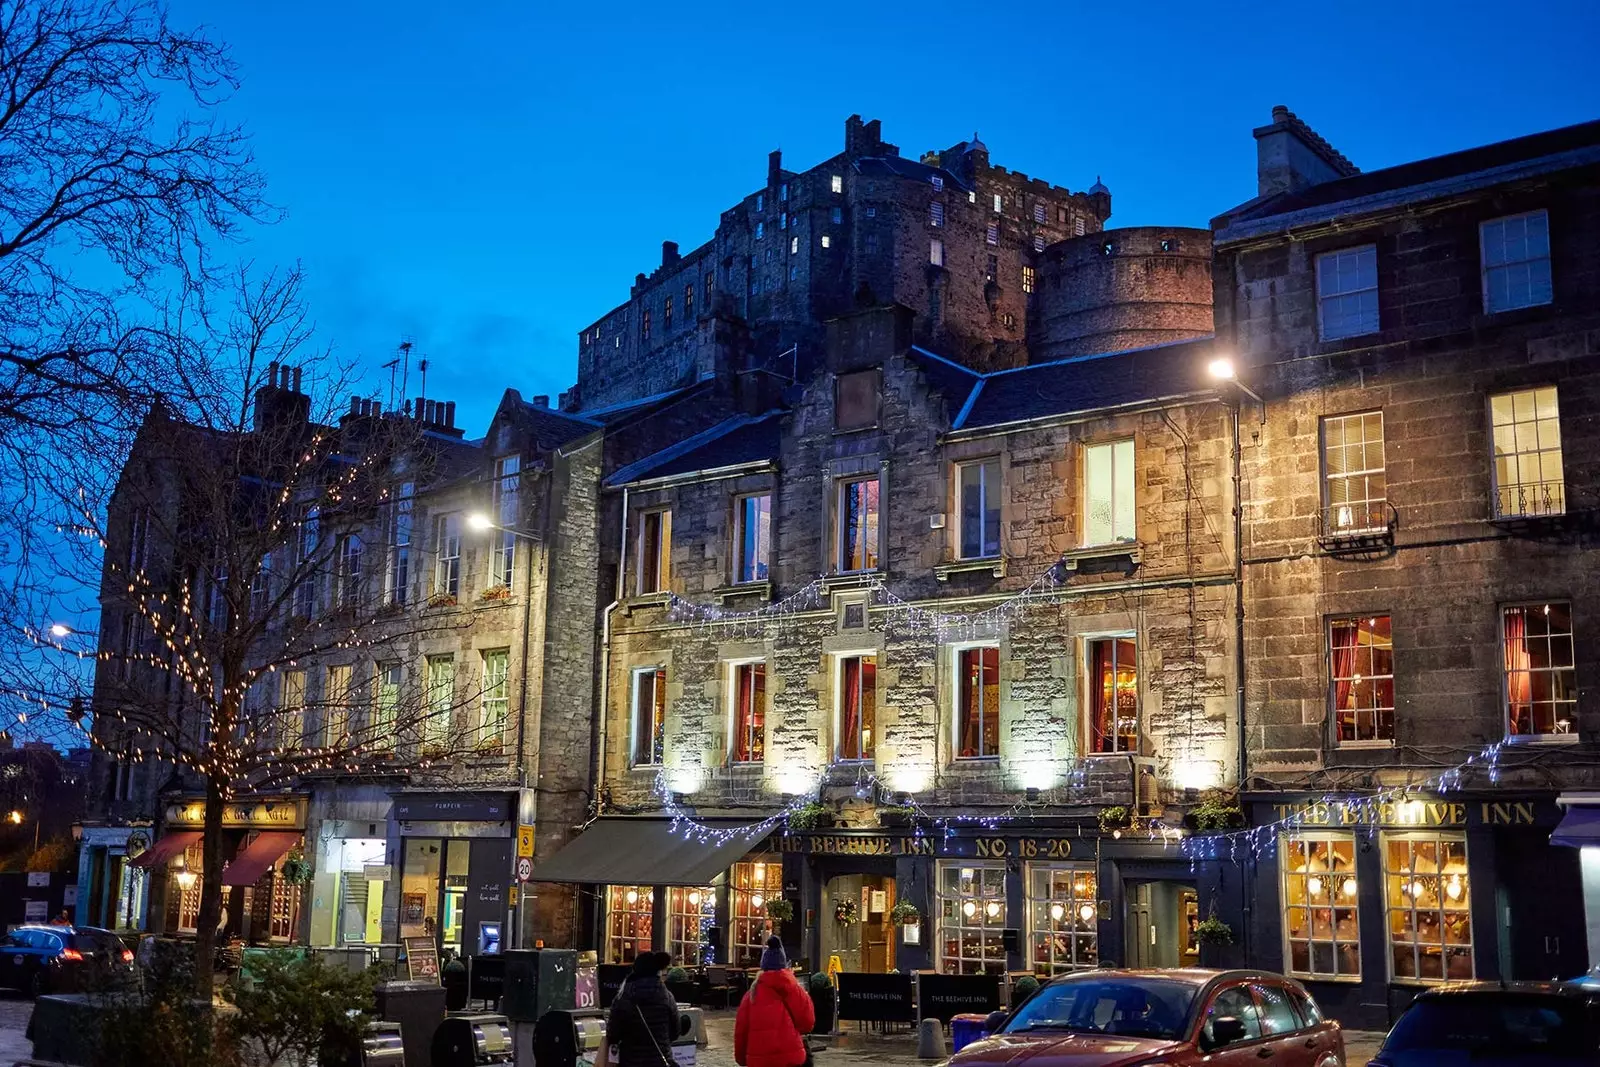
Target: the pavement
(14, 1011)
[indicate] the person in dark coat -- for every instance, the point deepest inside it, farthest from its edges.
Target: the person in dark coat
(644, 1017)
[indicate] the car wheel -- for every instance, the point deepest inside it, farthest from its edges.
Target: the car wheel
(36, 985)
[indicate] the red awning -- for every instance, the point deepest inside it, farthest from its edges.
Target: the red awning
(248, 866)
(165, 850)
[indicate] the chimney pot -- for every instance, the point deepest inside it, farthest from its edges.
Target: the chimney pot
(272, 374)
(297, 379)
(1280, 113)
(450, 414)
(355, 405)
(377, 407)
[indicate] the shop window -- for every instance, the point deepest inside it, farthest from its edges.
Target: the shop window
(447, 555)
(1516, 261)
(749, 681)
(1541, 681)
(855, 400)
(336, 706)
(691, 913)
(978, 702)
(1361, 679)
(433, 889)
(496, 698)
(441, 701)
(649, 716)
(507, 510)
(753, 555)
(1113, 694)
(1108, 493)
(858, 525)
(190, 872)
(1427, 894)
(1355, 489)
(858, 701)
(385, 704)
(972, 916)
(655, 551)
(754, 882)
(1321, 921)
(979, 487)
(1063, 919)
(630, 922)
(1528, 478)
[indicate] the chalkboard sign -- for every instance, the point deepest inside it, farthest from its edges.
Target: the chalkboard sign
(878, 998)
(941, 996)
(422, 958)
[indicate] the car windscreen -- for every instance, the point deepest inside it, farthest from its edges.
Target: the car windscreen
(1131, 1007)
(94, 941)
(1548, 1025)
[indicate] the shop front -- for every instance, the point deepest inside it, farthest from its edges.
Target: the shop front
(454, 853)
(352, 865)
(1369, 902)
(112, 893)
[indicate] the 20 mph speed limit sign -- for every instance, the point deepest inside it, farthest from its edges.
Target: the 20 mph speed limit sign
(524, 868)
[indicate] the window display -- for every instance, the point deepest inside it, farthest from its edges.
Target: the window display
(972, 915)
(1063, 918)
(630, 922)
(1426, 892)
(1320, 916)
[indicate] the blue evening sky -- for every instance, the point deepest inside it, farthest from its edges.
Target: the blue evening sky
(488, 178)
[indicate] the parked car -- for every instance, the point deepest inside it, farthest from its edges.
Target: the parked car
(1494, 1024)
(56, 959)
(1118, 1018)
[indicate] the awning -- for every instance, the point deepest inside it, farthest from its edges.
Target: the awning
(1580, 826)
(248, 866)
(165, 850)
(648, 852)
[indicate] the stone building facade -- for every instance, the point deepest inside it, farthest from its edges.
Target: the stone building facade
(1418, 558)
(903, 540)
(951, 236)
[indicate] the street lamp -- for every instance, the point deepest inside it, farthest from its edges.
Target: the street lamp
(483, 524)
(60, 629)
(1222, 369)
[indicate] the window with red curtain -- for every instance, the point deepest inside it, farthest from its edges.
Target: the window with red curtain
(649, 715)
(978, 710)
(1361, 678)
(1541, 679)
(858, 698)
(750, 712)
(1113, 695)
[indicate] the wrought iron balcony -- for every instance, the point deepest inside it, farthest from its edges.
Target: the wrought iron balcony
(1530, 500)
(1358, 527)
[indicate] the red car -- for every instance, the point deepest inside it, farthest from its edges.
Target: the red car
(1135, 1018)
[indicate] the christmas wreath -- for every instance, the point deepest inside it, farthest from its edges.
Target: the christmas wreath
(846, 910)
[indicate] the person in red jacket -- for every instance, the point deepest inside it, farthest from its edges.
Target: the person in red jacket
(774, 1016)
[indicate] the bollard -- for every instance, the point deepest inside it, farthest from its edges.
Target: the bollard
(930, 1040)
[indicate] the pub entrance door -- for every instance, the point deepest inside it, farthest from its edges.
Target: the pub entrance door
(1159, 931)
(867, 942)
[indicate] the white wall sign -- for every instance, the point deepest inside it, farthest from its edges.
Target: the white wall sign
(38, 878)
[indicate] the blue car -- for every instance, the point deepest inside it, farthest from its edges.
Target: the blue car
(1496, 1024)
(57, 959)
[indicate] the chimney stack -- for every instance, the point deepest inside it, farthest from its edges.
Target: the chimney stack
(774, 168)
(297, 379)
(1291, 156)
(669, 254)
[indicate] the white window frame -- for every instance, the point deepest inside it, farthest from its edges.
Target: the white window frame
(397, 571)
(338, 687)
(998, 204)
(871, 545)
(827, 242)
(506, 506)
(1122, 484)
(1572, 736)
(1085, 645)
(936, 213)
(1335, 887)
(731, 673)
(957, 919)
(838, 705)
(292, 708)
(437, 713)
(836, 183)
(658, 680)
(494, 705)
(1040, 215)
(1390, 905)
(985, 492)
(1536, 268)
(1332, 683)
(762, 560)
(936, 252)
(1339, 267)
(447, 554)
(991, 234)
(1367, 501)
(1541, 450)
(958, 686)
(388, 679)
(1040, 921)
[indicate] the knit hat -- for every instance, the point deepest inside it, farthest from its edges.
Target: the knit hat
(773, 958)
(650, 963)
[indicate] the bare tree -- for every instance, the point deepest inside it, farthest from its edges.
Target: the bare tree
(116, 175)
(240, 547)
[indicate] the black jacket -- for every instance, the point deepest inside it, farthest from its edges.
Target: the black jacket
(643, 1010)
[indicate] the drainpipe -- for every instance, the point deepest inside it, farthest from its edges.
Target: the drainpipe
(602, 713)
(1247, 868)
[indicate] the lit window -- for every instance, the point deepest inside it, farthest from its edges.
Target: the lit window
(1038, 243)
(836, 183)
(1353, 472)
(385, 704)
(688, 301)
(972, 917)
(336, 695)
(755, 882)
(630, 922)
(1063, 918)
(649, 716)
(1113, 694)
(761, 230)
(666, 317)
(857, 707)
(783, 220)
(1077, 227)
(496, 698)
(441, 696)
(855, 400)
(753, 545)
(938, 182)
(1528, 478)
(749, 706)
(506, 508)
(1027, 279)
(794, 245)
(447, 555)
(189, 896)
(289, 723)
(858, 525)
(979, 487)
(1361, 678)
(827, 242)
(655, 551)
(936, 252)
(1347, 292)
(1516, 261)
(1108, 512)
(1540, 677)
(783, 193)
(977, 702)
(1426, 892)
(644, 324)
(761, 202)
(972, 196)
(992, 234)
(691, 914)
(1038, 213)
(997, 203)
(1009, 320)
(1320, 917)
(936, 214)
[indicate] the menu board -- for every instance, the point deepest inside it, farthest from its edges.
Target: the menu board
(422, 958)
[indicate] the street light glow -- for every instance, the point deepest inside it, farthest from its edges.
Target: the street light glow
(60, 629)
(479, 521)
(16, 818)
(1221, 369)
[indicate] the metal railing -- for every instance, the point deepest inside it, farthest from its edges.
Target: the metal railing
(1530, 500)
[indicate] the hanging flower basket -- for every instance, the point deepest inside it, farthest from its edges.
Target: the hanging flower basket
(847, 911)
(904, 913)
(296, 870)
(809, 817)
(1213, 931)
(1116, 817)
(780, 910)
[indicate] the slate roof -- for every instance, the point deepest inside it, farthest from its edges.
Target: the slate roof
(552, 428)
(1422, 178)
(878, 166)
(1087, 383)
(952, 380)
(741, 439)
(610, 413)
